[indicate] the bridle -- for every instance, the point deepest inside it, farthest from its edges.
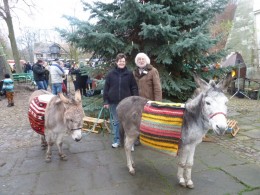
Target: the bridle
(75, 129)
(216, 113)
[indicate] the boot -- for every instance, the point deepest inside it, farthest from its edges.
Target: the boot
(12, 104)
(9, 105)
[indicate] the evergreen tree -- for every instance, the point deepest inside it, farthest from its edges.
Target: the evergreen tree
(174, 34)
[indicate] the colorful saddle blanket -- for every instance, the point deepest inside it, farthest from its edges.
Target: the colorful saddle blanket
(36, 112)
(161, 126)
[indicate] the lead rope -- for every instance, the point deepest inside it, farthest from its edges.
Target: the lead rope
(95, 124)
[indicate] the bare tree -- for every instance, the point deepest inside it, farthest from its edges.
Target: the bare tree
(4, 67)
(27, 40)
(5, 13)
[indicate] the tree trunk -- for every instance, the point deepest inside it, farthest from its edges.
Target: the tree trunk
(4, 66)
(11, 36)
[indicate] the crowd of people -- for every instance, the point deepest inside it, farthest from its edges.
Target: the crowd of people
(55, 75)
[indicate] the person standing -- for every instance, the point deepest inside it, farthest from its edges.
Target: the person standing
(8, 87)
(39, 74)
(47, 73)
(56, 75)
(119, 84)
(75, 76)
(83, 78)
(147, 78)
(27, 67)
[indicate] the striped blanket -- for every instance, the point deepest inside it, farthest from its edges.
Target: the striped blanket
(161, 126)
(36, 112)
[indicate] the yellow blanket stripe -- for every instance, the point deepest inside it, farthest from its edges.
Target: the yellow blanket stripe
(160, 139)
(163, 145)
(181, 105)
(179, 123)
(164, 118)
(153, 145)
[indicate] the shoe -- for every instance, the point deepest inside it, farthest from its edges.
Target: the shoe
(137, 142)
(115, 145)
(133, 148)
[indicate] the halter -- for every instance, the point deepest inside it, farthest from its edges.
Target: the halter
(212, 115)
(76, 129)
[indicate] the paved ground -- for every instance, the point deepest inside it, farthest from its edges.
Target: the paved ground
(226, 166)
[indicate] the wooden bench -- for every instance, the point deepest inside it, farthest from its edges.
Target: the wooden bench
(232, 125)
(100, 124)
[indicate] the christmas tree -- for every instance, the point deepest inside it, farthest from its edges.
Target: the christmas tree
(174, 34)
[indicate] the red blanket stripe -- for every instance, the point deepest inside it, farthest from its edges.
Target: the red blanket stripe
(36, 115)
(159, 132)
(164, 111)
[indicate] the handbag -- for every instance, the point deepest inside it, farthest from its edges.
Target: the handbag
(64, 88)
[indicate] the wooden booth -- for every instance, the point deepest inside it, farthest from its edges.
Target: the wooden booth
(236, 60)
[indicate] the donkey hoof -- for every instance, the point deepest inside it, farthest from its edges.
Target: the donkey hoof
(190, 185)
(47, 159)
(182, 182)
(63, 157)
(132, 172)
(44, 147)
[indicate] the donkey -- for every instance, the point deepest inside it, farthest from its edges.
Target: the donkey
(206, 110)
(55, 116)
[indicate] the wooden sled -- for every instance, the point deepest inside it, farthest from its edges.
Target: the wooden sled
(232, 125)
(97, 124)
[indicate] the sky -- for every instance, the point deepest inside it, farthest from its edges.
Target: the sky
(47, 14)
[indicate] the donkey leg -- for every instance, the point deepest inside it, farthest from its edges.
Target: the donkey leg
(48, 137)
(181, 164)
(43, 142)
(189, 164)
(59, 145)
(128, 145)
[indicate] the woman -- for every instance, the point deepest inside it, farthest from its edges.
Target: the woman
(119, 84)
(147, 78)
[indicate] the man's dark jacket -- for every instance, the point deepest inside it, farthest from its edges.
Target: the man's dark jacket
(38, 72)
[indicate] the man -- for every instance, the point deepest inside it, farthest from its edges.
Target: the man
(56, 75)
(39, 74)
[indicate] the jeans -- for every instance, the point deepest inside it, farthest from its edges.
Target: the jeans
(41, 85)
(112, 108)
(56, 88)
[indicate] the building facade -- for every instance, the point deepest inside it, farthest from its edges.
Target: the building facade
(49, 52)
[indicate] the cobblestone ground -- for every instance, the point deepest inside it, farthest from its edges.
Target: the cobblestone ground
(15, 128)
(247, 142)
(16, 131)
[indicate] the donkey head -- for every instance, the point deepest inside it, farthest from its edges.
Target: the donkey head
(73, 116)
(213, 102)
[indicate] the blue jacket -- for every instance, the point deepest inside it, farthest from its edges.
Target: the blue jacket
(8, 85)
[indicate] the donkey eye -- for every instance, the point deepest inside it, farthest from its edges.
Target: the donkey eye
(207, 103)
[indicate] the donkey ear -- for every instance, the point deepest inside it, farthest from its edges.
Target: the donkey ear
(203, 85)
(63, 98)
(77, 96)
(224, 83)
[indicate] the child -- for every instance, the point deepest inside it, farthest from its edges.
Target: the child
(8, 87)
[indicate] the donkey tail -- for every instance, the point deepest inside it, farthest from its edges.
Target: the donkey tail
(122, 135)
